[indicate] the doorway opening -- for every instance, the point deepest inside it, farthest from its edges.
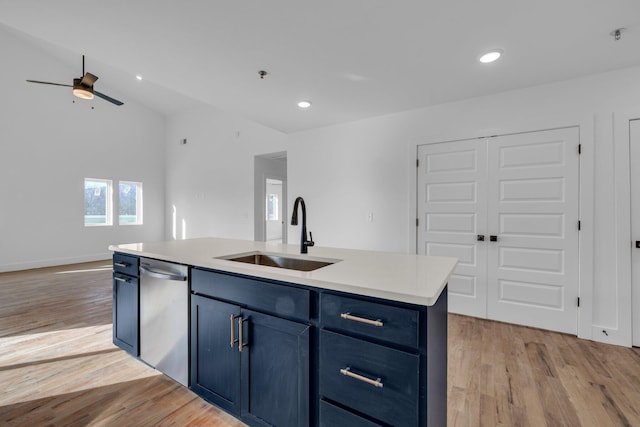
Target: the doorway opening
(270, 197)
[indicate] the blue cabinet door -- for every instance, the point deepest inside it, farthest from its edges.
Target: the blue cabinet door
(275, 377)
(125, 313)
(215, 363)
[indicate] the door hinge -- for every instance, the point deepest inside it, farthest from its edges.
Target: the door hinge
(417, 222)
(579, 225)
(417, 163)
(579, 148)
(578, 301)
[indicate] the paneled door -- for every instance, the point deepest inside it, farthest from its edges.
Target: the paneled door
(507, 207)
(533, 208)
(634, 140)
(452, 202)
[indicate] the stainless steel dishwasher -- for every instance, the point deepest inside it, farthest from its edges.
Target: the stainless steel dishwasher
(164, 317)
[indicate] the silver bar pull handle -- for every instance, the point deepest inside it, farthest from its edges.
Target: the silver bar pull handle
(233, 330)
(165, 275)
(121, 264)
(376, 322)
(241, 343)
(120, 279)
(347, 372)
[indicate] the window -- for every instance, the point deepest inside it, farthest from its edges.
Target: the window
(130, 203)
(272, 207)
(97, 202)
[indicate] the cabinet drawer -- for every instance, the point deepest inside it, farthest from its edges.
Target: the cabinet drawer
(126, 264)
(282, 300)
(345, 365)
(393, 324)
(332, 416)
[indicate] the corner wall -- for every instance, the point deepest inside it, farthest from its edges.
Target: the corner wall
(210, 180)
(48, 145)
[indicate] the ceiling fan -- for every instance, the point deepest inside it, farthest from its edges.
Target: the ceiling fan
(83, 87)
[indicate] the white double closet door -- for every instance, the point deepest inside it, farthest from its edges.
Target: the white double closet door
(507, 207)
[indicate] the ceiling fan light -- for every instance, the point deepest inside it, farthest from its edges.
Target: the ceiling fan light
(81, 91)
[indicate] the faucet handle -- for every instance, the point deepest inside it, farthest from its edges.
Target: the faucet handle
(310, 242)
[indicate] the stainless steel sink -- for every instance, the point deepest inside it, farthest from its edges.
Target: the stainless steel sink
(280, 261)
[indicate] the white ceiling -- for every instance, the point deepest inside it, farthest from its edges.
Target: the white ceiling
(353, 58)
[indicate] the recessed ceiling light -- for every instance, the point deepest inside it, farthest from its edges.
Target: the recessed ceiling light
(139, 77)
(304, 104)
(490, 56)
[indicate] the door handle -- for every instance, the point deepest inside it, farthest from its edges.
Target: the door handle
(493, 238)
(638, 244)
(241, 343)
(480, 237)
(233, 330)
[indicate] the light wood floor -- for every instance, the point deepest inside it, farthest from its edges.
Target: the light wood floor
(58, 367)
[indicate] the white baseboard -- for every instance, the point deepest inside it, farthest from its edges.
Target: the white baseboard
(54, 262)
(609, 335)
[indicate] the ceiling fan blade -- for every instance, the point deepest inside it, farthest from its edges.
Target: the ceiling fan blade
(89, 79)
(107, 98)
(48, 83)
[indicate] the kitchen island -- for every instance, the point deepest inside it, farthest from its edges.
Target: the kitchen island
(361, 340)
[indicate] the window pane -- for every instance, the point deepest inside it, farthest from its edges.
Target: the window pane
(130, 203)
(272, 207)
(97, 202)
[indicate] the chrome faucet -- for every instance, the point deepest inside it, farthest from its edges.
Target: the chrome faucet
(304, 243)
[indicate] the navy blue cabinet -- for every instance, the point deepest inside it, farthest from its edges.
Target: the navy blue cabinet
(275, 371)
(253, 364)
(381, 362)
(333, 416)
(273, 353)
(126, 294)
(373, 379)
(215, 359)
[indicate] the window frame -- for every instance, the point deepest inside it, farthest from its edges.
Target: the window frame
(139, 203)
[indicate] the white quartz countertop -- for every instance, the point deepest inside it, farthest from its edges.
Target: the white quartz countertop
(414, 279)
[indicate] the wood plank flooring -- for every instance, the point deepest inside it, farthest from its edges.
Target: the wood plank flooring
(58, 367)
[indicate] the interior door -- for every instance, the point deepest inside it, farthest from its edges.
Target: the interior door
(533, 208)
(634, 139)
(452, 215)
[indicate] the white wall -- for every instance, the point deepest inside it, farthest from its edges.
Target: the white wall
(48, 145)
(210, 180)
(346, 171)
